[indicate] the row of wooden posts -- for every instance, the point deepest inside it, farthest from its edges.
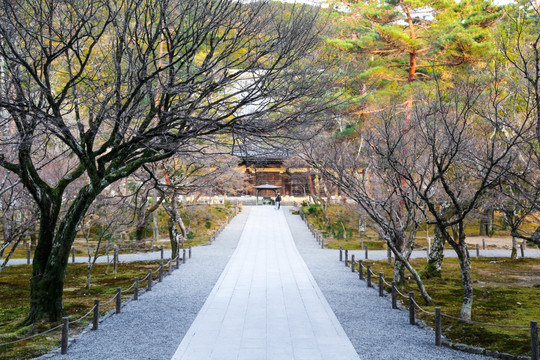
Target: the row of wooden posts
(118, 296)
(412, 308)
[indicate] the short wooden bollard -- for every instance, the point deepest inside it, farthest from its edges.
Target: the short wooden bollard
(95, 320)
(161, 250)
(27, 253)
(438, 341)
(340, 253)
(160, 278)
(368, 275)
(322, 242)
(352, 263)
(73, 255)
(189, 252)
(366, 256)
(118, 299)
(381, 284)
(115, 258)
(394, 295)
(483, 244)
(412, 315)
(477, 250)
(534, 340)
(65, 335)
(149, 288)
(360, 270)
(136, 289)
(184, 256)
(521, 249)
(346, 257)
(177, 260)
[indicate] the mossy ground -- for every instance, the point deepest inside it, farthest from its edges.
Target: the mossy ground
(339, 225)
(15, 292)
(201, 222)
(505, 292)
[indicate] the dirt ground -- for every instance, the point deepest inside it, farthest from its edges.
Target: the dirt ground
(492, 242)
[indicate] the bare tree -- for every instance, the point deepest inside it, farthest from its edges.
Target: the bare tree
(464, 140)
(98, 88)
(359, 167)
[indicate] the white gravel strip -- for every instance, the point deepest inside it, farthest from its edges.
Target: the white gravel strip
(375, 330)
(153, 326)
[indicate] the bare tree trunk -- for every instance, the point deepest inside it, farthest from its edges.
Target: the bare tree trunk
(514, 247)
(433, 267)
(465, 266)
(399, 256)
(8, 257)
(155, 225)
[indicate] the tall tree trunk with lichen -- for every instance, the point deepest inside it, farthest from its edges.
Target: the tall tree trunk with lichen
(433, 267)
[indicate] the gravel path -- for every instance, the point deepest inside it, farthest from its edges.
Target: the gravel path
(375, 330)
(153, 326)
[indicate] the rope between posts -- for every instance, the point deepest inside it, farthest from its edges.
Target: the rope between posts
(421, 309)
(146, 277)
(131, 287)
(82, 317)
(33, 336)
(111, 300)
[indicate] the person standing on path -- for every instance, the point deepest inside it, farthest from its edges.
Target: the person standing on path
(277, 201)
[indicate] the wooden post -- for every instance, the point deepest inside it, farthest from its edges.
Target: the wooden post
(340, 253)
(136, 289)
(322, 242)
(352, 263)
(95, 320)
(368, 275)
(115, 258)
(360, 270)
(27, 253)
(177, 260)
(161, 250)
(346, 257)
(366, 256)
(189, 252)
(483, 244)
(118, 299)
(160, 278)
(412, 317)
(521, 248)
(65, 335)
(149, 280)
(73, 255)
(534, 340)
(477, 250)
(184, 256)
(381, 284)
(394, 295)
(438, 326)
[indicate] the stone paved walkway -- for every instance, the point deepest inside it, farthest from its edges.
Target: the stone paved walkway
(266, 304)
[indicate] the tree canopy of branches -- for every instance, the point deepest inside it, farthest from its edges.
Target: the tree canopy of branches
(95, 89)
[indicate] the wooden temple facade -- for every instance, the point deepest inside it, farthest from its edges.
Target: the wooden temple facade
(273, 167)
